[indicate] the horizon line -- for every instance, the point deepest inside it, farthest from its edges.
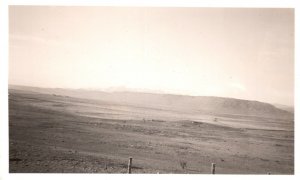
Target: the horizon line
(150, 91)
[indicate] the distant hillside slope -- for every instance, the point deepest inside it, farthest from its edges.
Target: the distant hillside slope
(203, 104)
(284, 107)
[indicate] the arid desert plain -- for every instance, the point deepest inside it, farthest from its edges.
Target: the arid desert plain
(85, 131)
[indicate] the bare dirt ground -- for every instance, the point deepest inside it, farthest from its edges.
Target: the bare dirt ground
(51, 133)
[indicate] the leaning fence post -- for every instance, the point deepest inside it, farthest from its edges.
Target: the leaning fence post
(213, 168)
(129, 165)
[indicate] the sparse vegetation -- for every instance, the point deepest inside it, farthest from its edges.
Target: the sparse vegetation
(95, 137)
(183, 164)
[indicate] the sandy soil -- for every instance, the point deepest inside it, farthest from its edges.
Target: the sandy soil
(50, 133)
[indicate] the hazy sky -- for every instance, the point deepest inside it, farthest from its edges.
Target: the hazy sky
(240, 53)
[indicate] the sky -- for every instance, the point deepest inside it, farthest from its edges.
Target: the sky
(239, 53)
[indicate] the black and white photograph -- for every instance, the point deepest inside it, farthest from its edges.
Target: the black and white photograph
(151, 90)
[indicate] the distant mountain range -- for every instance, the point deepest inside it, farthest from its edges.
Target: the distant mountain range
(200, 104)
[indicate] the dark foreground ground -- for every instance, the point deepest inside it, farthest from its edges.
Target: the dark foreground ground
(50, 133)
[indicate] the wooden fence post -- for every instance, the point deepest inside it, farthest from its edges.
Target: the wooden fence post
(213, 168)
(129, 165)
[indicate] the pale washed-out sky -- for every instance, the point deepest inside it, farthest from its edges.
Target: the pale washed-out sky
(239, 53)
